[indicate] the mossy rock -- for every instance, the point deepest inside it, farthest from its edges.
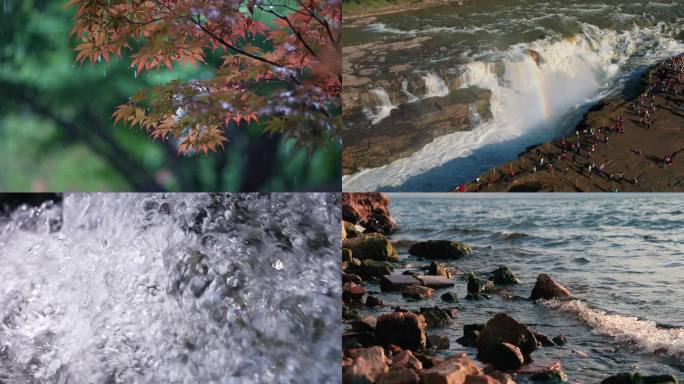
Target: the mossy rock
(373, 246)
(440, 249)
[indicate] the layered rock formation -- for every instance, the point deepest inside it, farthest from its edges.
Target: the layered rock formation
(410, 127)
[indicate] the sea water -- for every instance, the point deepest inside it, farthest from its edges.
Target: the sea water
(178, 288)
(622, 256)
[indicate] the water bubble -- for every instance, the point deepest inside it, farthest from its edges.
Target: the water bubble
(277, 265)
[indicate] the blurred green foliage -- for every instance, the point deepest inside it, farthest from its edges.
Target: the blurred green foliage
(56, 130)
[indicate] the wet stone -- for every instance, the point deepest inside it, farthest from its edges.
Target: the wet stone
(417, 292)
(435, 281)
(438, 342)
(436, 317)
(450, 297)
(560, 340)
(390, 283)
(372, 301)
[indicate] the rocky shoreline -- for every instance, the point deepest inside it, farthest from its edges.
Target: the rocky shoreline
(400, 346)
(617, 147)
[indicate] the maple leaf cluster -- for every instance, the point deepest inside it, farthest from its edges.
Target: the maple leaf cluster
(286, 71)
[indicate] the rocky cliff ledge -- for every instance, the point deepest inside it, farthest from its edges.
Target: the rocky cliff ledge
(410, 127)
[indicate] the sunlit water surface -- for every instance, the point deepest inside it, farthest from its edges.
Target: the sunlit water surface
(621, 255)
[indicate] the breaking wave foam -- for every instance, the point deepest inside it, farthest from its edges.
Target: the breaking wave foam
(625, 329)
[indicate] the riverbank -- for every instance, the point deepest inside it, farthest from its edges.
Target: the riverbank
(354, 12)
(617, 147)
(449, 290)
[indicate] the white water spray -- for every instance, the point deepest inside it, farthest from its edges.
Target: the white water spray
(530, 103)
(382, 109)
(434, 86)
(172, 289)
(624, 329)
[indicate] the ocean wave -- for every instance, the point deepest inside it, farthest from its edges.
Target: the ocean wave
(647, 335)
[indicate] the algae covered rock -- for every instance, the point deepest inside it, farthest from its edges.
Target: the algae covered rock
(440, 249)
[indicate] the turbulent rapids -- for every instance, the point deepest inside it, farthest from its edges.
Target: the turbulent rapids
(544, 71)
(180, 288)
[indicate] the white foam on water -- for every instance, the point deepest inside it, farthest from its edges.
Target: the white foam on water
(645, 334)
(384, 28)
(404, 88)
(122, 294)
(474, 117)
(434, 86)
(530, 103)
(382, 108)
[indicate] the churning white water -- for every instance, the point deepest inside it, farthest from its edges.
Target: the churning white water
(531, 102)
(178, 288)
(645, 334)
(381, 107)
(434, 86)
(404, 88)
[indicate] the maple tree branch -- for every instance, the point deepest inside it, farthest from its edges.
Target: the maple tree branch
(296, 32)
(240, 51)
(323, 22)
(235, 49)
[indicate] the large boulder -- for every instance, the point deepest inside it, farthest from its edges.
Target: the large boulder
(372, 268)
(390, 283)
(372, 246)
(547, 288)
(504, 329)
(438, 342)
(405, 329)
(438, 269)
(350, 230)
(352, 293)
(372, 301)
(406, 359)
(417, 292)
(436, 317)
(399, 376)
(435, 281)
(452, 371)
(471, 332)
(439, 249)
(370, 210)
(503, 276)
(506, 357)
(364, 365)
(450, 297)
